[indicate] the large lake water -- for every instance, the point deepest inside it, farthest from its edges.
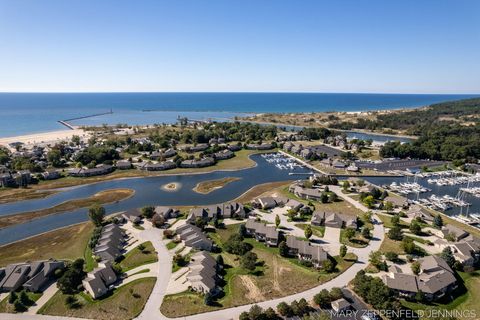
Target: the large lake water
(147, 192)
(24, 113)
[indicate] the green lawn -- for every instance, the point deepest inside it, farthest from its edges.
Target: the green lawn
(90, 262)
(6, 307)
(171, 245)
(124, 303)
(136, 257)
(468, 297)
(318, 231)
(358, 241)
(387, 223)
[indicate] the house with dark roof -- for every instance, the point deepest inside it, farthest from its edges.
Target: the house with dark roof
(397, 201)
(340, 305)
(198, 163)
(263, 146)
(6, 180)
(132, 215)
(223, 155)
(51, 174)
(110, 243)
(455, 232)
(123, 165)
(306, 193)
(100, 169)
(217, 211)
(435, 279)
(417, 211)
(33, 276)
(160, 166)
(194, 237)
(166, 212)
(202, 273)
(266, 203)
(97, 282)
(262, 232)
(334, 220)
(304, 250)
(44, 273)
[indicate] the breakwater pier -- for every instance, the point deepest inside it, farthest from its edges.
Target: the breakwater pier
(70, 126)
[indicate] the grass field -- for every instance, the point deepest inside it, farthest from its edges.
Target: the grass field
(136, 257)
(274, 277)
(124, 303)
(260, 190)
(468, 298)
(100, 198)
(12, 195)
(205, 187)
(65, 243)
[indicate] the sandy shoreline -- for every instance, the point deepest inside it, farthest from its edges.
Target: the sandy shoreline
(44, 137)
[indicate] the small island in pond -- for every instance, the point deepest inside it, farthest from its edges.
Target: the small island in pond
(205, 187)
(171, 187)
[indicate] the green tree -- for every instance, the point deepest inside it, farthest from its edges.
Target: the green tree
(324, 197)
(333, 197)
(388, 206)
(420, 296)
(55, 157)
(248, 261)
(395, 220)
(366, 232)
(415, 227)
(343, 250)
(96, 214)
(283, 249)
(208, 299)
(415, 267)
(322, 299)
(438, 221)
(148, 212)
(369, 201)
(336, 293)
(284, 309)
(308, 231)
(408, 246)
(447, 255)
(391, 256)
(349, 233)
(328, 266)
(12, 297)
(71, 279)
(277, 220)
(346, 185)
(395, 233)
(200, 223)
(375, 258)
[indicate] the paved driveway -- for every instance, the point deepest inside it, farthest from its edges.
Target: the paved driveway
(332, 240)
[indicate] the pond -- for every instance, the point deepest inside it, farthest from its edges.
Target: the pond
(148, 191)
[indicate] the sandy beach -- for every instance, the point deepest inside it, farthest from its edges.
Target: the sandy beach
(44, 137)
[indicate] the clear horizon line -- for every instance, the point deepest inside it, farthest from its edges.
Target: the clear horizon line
(267, 92)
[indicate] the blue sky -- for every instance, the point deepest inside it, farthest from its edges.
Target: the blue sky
(426, 46)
